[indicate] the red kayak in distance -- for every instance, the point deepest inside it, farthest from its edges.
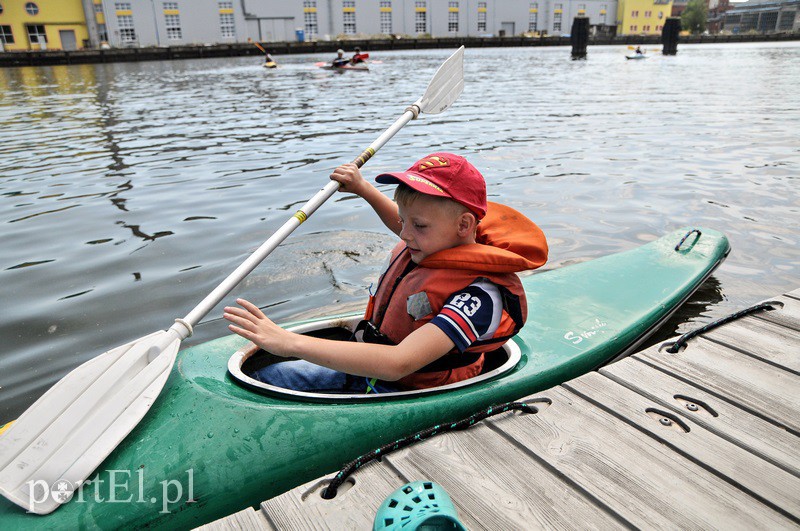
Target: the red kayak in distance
(360, 67)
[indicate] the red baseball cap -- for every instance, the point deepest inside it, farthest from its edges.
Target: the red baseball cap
(444, 175)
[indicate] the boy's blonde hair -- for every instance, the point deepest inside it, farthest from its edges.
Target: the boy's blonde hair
(405, 195)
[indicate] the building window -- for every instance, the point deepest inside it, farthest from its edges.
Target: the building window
(452, 17)
(311, 26)
(102, 33)
(6, 37)
(122, 6)
(1, 9)
(127, 33)
(171, 6)
(634, 14)
(420, 17)
(349, 16)
(634, 28)
(648, 14)
(173, 24)
(310, 19)
(482, 16)
(227, 25)
(556, 22)
(386, 16)
(36, 35)
(349, 23)
(660, 14)
(533, 17)
(31, 8)
(786, 21)
(603, 12)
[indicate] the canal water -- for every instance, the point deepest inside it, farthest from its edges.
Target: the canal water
(129, 191)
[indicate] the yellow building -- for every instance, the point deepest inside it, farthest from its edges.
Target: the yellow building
(42, 25)
(642, 17)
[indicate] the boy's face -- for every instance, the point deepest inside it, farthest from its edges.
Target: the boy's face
(428, 227)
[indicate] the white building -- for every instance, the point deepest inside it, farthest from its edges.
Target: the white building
(177, 22)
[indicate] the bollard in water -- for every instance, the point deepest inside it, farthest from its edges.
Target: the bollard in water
(669, 35)
(579, 37)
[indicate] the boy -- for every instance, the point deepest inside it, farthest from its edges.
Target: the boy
(449, 295)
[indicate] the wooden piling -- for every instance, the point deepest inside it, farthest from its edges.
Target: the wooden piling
(669, 35)
(579, 37)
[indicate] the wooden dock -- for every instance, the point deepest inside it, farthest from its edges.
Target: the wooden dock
(707, 438)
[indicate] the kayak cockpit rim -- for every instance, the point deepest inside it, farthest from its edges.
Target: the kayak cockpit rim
(511, 350)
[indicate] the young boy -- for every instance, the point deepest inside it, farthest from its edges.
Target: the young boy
(449, 294)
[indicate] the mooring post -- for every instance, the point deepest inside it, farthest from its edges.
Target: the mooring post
(579, 37)
(669, 35)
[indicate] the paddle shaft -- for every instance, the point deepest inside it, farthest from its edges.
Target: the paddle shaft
(214, 298)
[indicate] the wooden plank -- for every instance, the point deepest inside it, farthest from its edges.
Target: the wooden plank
(788, 315)
(354, 506)
(760, 388)
(764, 481)
(751, 432)
(763, 339)
(496, 485)
(647, 484)
(246, 519)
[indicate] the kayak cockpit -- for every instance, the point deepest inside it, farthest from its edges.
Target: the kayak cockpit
(250, 359)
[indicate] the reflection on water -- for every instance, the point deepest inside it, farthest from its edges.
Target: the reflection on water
(128, 191)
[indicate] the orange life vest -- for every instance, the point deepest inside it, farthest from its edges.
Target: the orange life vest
(506, 242)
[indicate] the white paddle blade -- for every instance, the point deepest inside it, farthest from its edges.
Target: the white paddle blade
(48, 453)
(446, 86)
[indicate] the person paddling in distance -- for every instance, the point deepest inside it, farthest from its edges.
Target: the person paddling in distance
(358, 57)
(340, 60)
(449, 295)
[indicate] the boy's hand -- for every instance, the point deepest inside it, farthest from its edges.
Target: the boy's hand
(251, 323)
(349, 178)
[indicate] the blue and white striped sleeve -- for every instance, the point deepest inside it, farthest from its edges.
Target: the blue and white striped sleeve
(471, 314)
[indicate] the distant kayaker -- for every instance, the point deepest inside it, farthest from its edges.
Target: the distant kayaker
(340, 60)
(358, 57)
(449, 295)
(639, 50)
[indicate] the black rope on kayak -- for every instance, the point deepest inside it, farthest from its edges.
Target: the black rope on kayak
(678, 247)
(330, 491)
(681, 342)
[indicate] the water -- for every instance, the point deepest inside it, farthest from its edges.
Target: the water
(129, 191)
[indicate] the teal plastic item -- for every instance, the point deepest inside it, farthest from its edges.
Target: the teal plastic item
(419, 505)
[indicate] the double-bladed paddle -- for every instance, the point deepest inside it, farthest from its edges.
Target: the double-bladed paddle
(66, 434)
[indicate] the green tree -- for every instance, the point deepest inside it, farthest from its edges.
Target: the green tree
(695, 16)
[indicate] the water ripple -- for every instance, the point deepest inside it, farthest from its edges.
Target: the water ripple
(128, 191)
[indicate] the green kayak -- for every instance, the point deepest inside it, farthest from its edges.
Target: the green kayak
(215, 441)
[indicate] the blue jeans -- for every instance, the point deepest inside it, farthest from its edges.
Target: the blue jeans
(301, 375)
